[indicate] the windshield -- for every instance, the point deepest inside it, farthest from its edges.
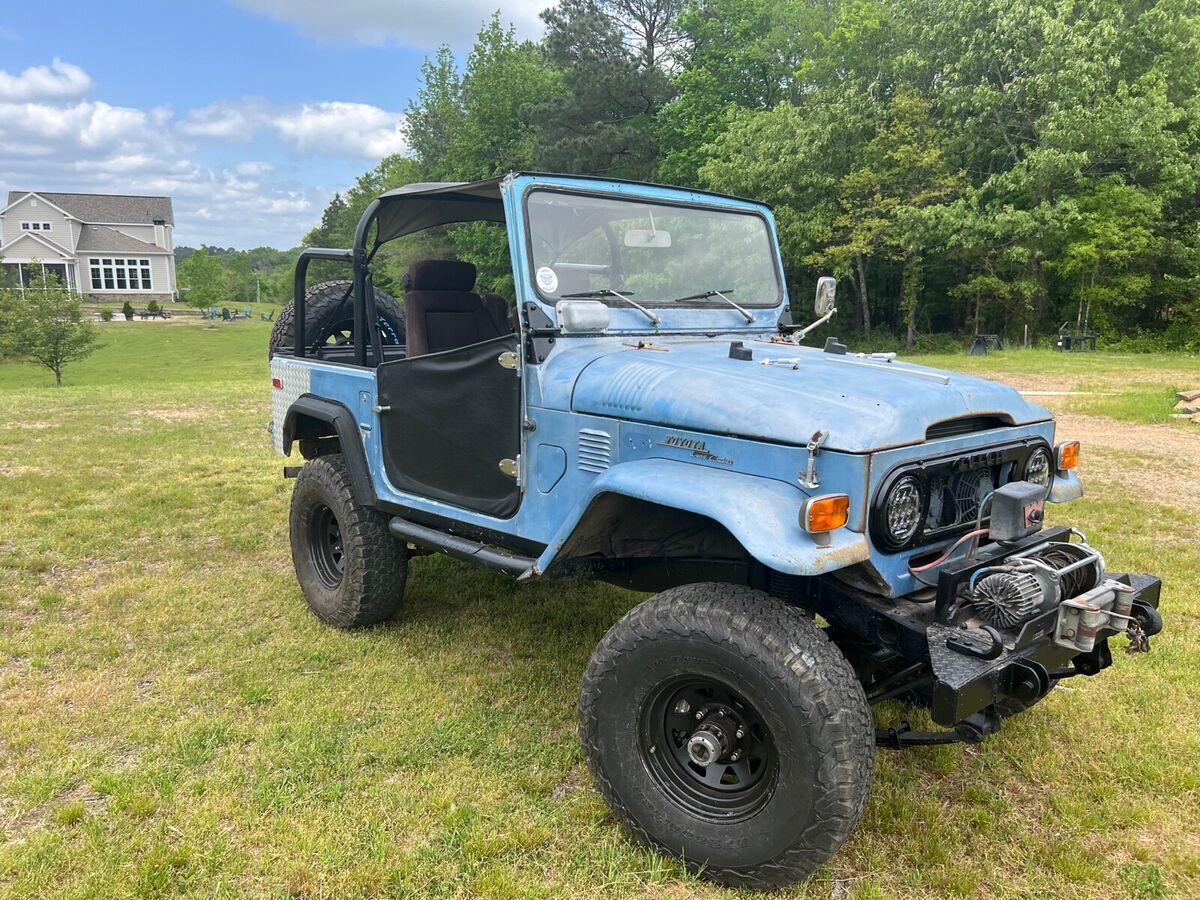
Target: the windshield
(657, 253)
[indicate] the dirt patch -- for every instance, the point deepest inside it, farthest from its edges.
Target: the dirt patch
(16, 826)
(1102, 379)
(1165, 456)
(572, 782)
(180, 414)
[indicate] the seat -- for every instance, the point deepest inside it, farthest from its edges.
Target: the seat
(441, 312)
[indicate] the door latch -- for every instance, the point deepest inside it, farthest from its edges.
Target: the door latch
(381, 409)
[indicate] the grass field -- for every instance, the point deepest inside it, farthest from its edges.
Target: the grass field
(174, 722)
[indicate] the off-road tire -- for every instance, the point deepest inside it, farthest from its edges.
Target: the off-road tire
(374, 564)
(328, 304)
(807, 694)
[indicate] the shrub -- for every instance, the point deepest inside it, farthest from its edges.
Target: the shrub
(152, 306)
(106, 315)
(127, 310)
(45, 325)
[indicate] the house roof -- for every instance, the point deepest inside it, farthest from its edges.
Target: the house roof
(37, 239)
(117, 208)
(102, 239)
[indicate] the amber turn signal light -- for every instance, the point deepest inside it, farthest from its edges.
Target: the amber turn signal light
(1066, 456)
(828, 513)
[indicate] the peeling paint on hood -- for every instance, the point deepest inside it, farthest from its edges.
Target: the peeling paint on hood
(864, 404)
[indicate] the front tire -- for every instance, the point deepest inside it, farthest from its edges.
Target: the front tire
(721, 726)
(351, 570)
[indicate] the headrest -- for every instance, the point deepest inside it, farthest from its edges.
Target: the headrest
(440, 275)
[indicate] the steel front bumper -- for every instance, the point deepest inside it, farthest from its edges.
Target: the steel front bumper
(980, 671)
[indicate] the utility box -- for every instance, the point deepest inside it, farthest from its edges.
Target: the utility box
(1018, 509)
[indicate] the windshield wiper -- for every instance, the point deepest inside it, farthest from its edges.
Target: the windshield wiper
(705, 295)
(608, 292)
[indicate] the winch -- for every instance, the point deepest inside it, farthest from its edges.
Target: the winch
(1063, 575)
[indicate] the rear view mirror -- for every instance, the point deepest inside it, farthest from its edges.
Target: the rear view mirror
(826, 295)
(644, 238)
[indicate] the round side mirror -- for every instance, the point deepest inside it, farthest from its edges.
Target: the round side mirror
(826, 295)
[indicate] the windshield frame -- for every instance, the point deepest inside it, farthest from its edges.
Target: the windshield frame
(731, 207)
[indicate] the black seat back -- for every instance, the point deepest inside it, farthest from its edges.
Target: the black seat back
(441, 312)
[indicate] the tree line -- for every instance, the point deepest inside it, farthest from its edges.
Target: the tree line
(962, 166)
(215, 276)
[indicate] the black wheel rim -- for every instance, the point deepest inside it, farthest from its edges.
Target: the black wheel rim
(325, 546)
(741, 776)
(341, 333)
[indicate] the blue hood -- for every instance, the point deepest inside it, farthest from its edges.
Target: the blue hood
(863, 404)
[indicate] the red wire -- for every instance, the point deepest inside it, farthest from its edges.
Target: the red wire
(945, 556)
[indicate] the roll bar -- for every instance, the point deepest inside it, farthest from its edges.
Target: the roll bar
(364, 312)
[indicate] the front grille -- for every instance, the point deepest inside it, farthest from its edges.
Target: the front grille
(953, 488)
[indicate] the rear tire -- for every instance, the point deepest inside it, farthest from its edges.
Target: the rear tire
(772, 689)
(351, 570)
(329, 318)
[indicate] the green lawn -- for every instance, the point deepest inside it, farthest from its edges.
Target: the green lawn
(174, 722)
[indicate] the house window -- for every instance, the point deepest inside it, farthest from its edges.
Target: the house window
(117, 273)
(35, 226)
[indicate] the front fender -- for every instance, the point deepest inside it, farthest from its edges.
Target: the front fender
(763, 514)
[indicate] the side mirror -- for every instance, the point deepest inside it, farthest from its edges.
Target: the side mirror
(582, 316)
(826, 295)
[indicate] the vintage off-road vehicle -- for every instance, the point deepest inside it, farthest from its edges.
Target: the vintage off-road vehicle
(641, 411)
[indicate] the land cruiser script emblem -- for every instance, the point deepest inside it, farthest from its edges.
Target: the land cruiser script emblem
(697, 448)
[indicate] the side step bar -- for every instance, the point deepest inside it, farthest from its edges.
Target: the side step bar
(459, 547)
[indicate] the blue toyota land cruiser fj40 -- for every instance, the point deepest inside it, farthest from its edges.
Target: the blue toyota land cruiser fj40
(640, 410)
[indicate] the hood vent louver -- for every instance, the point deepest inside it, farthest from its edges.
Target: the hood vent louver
(965, 425)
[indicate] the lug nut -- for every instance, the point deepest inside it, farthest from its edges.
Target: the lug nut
(699, 715)
(740, 733)
(737, 754)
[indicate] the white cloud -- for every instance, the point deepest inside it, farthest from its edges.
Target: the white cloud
(53, 138)
(234, 120)
(354, 129)
(254, 167)
(414, 23)
(331, 128)
(59, 79)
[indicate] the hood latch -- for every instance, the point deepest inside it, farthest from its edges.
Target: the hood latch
(809, 479)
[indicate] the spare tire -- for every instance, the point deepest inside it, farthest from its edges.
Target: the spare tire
(329, 318)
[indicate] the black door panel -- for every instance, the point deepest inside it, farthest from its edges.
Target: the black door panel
(451, 418)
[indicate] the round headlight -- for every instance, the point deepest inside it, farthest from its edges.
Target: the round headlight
(902, 509)
(1037, 467)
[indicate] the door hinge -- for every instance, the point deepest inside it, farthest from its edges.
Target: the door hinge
(511, 467)
(508, 359)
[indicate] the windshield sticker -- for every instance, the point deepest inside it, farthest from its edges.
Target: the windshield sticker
(547, 279)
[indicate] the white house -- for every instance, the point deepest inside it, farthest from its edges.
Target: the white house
(107, 246)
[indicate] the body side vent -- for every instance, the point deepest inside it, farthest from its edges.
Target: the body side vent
(595, 450)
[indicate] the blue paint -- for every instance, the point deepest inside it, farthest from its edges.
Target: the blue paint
(687, 427)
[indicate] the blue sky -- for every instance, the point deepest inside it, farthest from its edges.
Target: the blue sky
(248, 113)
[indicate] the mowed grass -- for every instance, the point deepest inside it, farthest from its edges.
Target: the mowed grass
(173, 722)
